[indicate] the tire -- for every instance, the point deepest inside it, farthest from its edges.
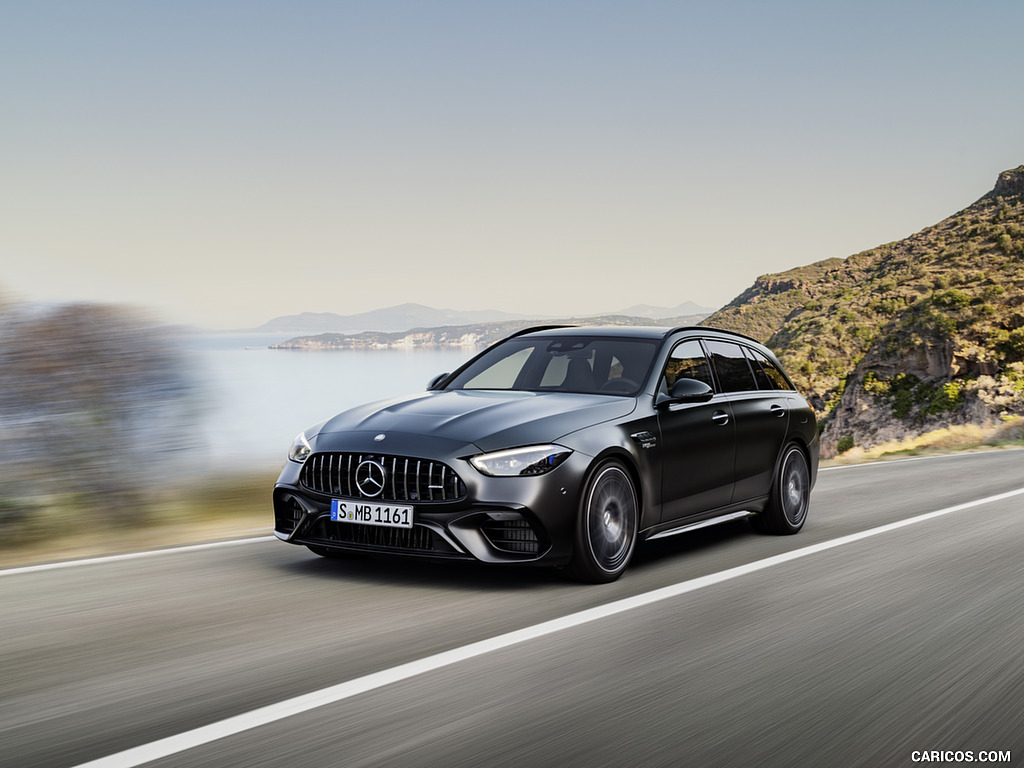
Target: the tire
(789, 499)
(606, 528)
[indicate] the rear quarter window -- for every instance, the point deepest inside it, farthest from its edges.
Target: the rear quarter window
(770, 374)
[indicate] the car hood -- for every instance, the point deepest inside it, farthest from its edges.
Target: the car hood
(489, 420)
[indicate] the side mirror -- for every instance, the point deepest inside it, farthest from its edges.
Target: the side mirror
(433, 383)
(688, 391)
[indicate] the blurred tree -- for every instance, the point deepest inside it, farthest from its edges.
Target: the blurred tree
(95, 403)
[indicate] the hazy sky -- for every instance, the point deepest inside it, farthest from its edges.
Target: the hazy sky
(229, 162)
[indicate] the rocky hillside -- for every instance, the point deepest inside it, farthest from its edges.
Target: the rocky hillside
(909, 336)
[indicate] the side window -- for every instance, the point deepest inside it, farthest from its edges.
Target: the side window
(731, 365)
(756, 359)
(687, 361)
(772, 372)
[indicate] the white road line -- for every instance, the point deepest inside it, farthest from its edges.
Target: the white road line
(299, 704)
(132, 555)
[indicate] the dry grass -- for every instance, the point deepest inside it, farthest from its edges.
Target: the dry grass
(967, 437)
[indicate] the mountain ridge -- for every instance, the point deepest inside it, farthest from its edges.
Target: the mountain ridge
(408, 316)
(472, 335)
(396, 318)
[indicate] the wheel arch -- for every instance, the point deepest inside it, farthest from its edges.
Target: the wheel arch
(805, 446)
(629, 461)
(607, 532)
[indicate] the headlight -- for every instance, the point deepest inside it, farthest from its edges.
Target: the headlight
(300, 448)
(532, 460)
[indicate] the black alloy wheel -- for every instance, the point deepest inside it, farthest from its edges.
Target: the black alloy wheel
(607, 526)
(787, 506)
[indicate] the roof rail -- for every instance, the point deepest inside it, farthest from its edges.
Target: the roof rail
(535, 328)
(711, 328)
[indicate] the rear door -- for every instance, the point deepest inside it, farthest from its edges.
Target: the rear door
(761, 416)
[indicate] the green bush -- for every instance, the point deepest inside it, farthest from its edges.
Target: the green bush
(1013, 345)
(947, 397)
(890, 306)
(954, 298)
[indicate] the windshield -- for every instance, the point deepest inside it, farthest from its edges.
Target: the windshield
(562, 364)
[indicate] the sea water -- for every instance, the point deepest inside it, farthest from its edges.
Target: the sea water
(256, 399)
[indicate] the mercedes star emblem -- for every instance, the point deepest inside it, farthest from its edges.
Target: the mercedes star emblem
(370, 478)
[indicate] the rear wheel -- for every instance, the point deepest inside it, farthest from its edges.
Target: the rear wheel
(790, 495)
(607, 525)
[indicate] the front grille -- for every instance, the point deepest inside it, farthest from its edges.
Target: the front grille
(416, 539)
(405, 479)
(511, 536)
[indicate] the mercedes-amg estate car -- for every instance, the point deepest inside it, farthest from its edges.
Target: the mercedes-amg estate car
(560, 445)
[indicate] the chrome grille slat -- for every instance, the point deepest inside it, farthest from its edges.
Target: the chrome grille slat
(422, 481)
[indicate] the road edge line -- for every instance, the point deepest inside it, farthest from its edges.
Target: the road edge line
(130, 555)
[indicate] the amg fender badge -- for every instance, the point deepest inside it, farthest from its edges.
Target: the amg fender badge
(646, 439)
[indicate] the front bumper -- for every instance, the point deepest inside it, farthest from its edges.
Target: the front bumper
(500, 519)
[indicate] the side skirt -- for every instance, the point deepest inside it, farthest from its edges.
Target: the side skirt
(700, 524)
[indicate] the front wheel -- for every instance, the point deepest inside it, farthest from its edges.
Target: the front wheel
(607, 525)
(790, 495)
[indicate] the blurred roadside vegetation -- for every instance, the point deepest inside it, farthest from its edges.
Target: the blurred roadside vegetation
(98, 413)
(952, 439)
(197, 509)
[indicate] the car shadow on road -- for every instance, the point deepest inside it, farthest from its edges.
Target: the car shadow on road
(394, 570)
(701, 541)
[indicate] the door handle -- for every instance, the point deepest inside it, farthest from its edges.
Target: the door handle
(721, 418)
(778, 410)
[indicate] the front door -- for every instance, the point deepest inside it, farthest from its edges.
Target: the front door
(698, 442)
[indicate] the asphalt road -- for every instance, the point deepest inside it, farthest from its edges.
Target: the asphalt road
(865, 652)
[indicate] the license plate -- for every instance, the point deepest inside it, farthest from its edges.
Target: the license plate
(387, 515)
